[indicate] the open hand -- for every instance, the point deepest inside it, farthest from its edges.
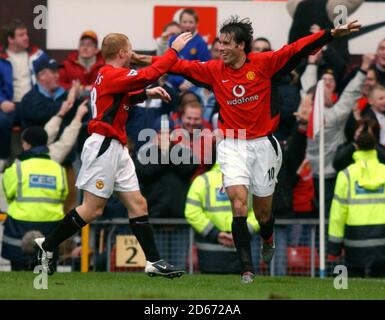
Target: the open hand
(226, 239)
(346, 29)
(7, 106)
(82, 110)
(158, 93)
(181, 40)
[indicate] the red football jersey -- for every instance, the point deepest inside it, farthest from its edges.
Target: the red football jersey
(247, 96)
(115, 89)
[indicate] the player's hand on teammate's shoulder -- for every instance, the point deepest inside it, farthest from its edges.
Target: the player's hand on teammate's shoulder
(181, 40)
(158, 93)
(343, 30)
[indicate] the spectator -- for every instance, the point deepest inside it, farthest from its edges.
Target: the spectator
(380, 62)
(215, 51)
(335, 115)
(82, 65)
(362, 107)
(196, 49)
(185, 98)
(261, 44)
(35, 187)
(163, 182)
(195, 134)
(17, 76)
(344, 153)
(208, 211)
(377, 111)
(169, 30)
(59, 149)
(310, 76)
(45, 99)
(357, 220)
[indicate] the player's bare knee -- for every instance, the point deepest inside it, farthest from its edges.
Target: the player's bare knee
(263, 216)
(89, 213)
(239, 208)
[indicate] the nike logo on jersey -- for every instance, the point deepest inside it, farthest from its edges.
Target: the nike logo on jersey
(223, 81)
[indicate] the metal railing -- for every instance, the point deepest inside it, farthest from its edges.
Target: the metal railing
(290, 254)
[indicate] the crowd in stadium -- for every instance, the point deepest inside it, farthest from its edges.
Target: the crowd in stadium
(37, 91)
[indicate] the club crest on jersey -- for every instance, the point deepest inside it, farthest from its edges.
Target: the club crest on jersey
(99, 184)
(193, 51)
(250, 75)
(239, 91)
(132, 73)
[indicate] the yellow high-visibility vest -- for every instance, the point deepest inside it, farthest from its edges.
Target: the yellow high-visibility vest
(207, 205)
(357, 216)
(35, 190)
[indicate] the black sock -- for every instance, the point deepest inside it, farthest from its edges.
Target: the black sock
(71, 223)
(143, 232)
(267, 228)
(242, 238)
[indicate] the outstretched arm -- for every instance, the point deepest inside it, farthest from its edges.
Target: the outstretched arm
(344, 30)
(129, 80)
(285, 59)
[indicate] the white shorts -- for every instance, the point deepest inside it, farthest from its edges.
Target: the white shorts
(253, 163)
(105, 171)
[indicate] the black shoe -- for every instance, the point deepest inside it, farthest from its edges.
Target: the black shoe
(163, 268)
(267, 251)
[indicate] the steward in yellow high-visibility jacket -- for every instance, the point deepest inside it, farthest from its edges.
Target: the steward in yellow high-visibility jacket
(208, 210)
(357, 218)
(35, 188)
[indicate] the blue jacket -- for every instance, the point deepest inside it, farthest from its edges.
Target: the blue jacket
(37, 107)
(195, 49)
(6, 72)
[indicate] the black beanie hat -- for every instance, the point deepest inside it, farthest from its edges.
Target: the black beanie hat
(35, 136)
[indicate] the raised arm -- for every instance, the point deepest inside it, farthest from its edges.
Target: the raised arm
(285, 59)
(129, 80)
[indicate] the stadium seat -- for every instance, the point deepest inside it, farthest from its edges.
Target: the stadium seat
(299, 260)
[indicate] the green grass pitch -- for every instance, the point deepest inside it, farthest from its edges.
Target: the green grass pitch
(137, 286)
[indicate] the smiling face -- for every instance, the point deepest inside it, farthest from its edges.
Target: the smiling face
(192, 117)
(377, 99)
(370, 82)
(230, 51)
(329, 81)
